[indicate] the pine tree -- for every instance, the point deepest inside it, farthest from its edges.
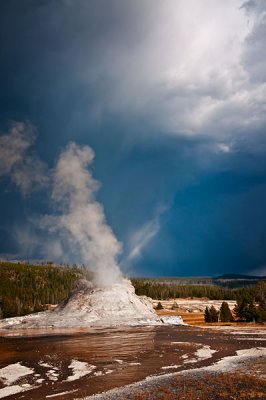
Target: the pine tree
(241, 308)
(260, 294)
(207, 316)
(246, 310)
(251, 314)
(225, 312)
(214, 314)
(159, 306)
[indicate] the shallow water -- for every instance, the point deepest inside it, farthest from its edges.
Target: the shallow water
(114, 357)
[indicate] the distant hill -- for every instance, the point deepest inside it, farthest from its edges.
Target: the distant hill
(237, 280)
(240, 276)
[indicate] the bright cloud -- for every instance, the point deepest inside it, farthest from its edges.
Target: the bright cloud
(188, 71)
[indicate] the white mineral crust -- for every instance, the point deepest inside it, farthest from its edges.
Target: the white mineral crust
(88, 305)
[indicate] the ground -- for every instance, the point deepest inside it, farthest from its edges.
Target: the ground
(196, 361)
(165, 360)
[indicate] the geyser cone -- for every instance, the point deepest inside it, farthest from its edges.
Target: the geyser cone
(115, 305)
(88, 305)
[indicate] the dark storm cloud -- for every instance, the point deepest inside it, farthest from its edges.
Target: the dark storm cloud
(254, 6)
(133, 60)
(169, 95)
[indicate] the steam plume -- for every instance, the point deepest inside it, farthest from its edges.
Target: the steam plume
(79, 227)
(82, 221)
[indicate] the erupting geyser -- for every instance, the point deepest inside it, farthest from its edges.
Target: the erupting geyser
(84, 235)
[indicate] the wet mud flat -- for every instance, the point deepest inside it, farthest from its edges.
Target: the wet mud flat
(78, 364)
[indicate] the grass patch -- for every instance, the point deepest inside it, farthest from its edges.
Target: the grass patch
(222, 386)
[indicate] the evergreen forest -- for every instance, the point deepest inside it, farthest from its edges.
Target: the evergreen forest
(26, 288)
(163, 291)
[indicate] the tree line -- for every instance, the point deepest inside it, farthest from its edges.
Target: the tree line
(250, 300)
(26, 288)
(247, 309)
(164, 291)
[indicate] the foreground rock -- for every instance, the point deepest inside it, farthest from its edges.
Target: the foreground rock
(91, 306)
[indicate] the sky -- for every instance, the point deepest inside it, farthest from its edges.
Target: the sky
(133, 133)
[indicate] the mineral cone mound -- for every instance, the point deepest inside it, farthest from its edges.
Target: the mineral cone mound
(91, 306)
